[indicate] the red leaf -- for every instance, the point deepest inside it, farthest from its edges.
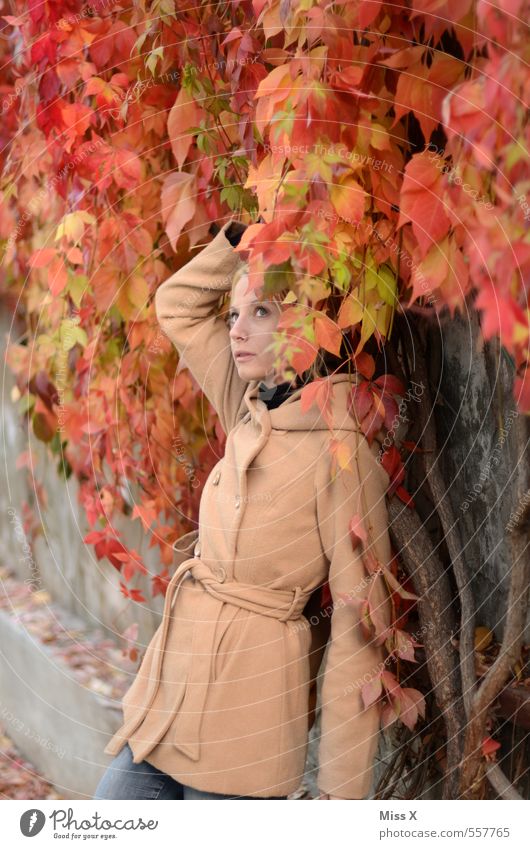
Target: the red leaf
(403, 645)
(371, 409)
(389, 383)
(368, 12)
(132, 563)
(365, 364)
(41, 257)
(489, 746)
(390, 683)
(388, 715)
(408, 713)
(127, 171)
(160, 582)
(391, 411)
(371, 691)
(136, 595)
(325, 595)
(405, 497)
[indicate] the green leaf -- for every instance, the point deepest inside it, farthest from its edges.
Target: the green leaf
(387, 285)
(77, 286)
(189, 79)
(341, 275)
(25, 403)
(277, 277)
(231, 195)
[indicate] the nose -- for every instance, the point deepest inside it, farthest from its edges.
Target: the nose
(238, 331)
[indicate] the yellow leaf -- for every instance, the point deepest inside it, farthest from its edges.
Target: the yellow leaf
(348, 198)
(138, 291)
(343, 455)
(386, 285)
(368, 326)
(264, 179)
(41, 597)
(483, 637)
(351, 310)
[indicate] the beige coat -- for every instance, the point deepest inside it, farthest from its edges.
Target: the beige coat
(222, 699)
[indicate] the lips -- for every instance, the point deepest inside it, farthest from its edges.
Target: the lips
(242, 355)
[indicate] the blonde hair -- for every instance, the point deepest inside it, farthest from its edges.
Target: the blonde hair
(244, 270)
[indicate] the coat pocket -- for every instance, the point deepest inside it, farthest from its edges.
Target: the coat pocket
(184, 547)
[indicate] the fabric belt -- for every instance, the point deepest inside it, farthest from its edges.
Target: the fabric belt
(283, 605)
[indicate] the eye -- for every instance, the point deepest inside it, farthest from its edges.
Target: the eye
(231, 315)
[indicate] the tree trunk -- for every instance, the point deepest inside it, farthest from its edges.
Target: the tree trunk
(465, 545)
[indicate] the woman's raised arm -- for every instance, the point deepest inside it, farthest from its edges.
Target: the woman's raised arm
(186, 307)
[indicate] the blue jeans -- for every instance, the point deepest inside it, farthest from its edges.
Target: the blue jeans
(123, 779)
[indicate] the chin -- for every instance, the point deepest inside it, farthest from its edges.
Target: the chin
(246, 372)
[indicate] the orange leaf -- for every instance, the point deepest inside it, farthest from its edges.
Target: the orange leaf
(146, 512)
(57, 276)
(421, 201)
(351, 310)
(341, 453)
(41, 257)
(328, 335)
(348, 198)
(184, 113)
(75, 256)
(421, 90)
(178, 204)
(444, 268)
(320, 392)
(365, 364)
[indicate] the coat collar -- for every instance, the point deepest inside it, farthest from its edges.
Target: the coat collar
(289, 415)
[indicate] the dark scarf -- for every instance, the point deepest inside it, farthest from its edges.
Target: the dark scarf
(273, 396)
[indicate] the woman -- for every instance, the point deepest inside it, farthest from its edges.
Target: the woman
(224, 698)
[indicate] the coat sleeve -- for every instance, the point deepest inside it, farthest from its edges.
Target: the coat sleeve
(349, 732)
(186, 307)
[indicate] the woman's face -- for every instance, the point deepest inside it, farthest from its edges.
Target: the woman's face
(251, 325)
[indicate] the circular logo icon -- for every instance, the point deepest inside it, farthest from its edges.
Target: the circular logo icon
(31, 822)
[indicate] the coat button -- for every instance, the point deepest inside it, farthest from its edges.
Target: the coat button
(216, 478)
(220, 573)
(238, 499)
(246, 417)
(197, 550)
